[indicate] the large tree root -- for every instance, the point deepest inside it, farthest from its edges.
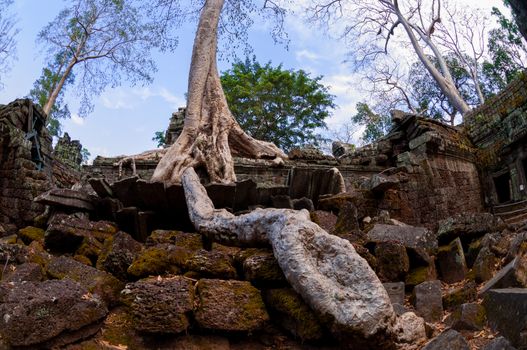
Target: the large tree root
(324, 269)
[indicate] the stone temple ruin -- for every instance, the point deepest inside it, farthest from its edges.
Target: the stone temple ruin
(98, 257)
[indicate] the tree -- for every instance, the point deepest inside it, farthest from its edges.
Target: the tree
(210, 130)
(376, 125)
(519, 8)
(284, 107)
(373, 25)
(40, 94)
(103, 41)
(8, 34)
(507, 53)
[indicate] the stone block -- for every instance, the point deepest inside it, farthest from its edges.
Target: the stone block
(303, 203)
(448, 340)
(426, 298)
(507, 313)
(126, 191)
(265, 193)
(451, 262)
(29, 272)
(151, 195)
(469, 316)
(222, 195)
(409, 236)
(118, 253)
(468, 225)
(233, 306)
(282, 201)
(262, 269)
(459, 295)
(160, 305)
(395, 292)
(101, 187)
(499, 343)
(66, 198)
(392, 261)
(211, 264)
(246, 195)
(505, 278)
(324, 219)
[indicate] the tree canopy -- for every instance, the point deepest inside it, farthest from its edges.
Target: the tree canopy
(8, 32)
(285, 107)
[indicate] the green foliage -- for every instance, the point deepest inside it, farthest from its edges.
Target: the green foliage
(159, 137)
(506, 53)
(85, 154)
(42, 88)
(376, 125)
(284, 107)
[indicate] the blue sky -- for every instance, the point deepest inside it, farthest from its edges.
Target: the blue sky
(125, 118)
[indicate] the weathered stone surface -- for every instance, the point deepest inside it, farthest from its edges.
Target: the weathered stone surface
(118, 254)
(505, 278)
(30, 272)
(13, 253)
(468, 225)
(159, 260)
(380, 183)
(507, 313)
(485, 265)
(66, 198)
(29, 234)
(160, 305)
(500, 343)
(151, 195)
(448, 340)
(246, 194)
(470, 316)
(303, 203)
(325, 219)
(410, 329)
(292, 313)
(229, 306)
(451, 262)
(395, 291)
(347, 219)
(34, 313)
(126, 191)
(211, 264)
(95, 281)
(459, 295)
(222, 195)
(427, 300)
(65, 233)
(262, 269)
(101, 187)
(392, 261)
(191, 241)
(409, 236)
(282, 201)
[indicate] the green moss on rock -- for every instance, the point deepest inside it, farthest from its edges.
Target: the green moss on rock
(156, 261)
(29, 234)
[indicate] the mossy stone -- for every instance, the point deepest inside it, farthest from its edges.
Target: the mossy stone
(289, 310)
(156, 260)
(29, 234)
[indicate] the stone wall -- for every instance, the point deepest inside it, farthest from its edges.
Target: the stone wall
(25, 170)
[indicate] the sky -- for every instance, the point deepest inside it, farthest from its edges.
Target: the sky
(125, 118)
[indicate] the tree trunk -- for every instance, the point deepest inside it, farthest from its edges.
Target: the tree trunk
(210, 129)
(56, 91)
(324, 269)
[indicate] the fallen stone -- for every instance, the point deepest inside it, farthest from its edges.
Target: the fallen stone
(159, 260)
(126, 191)
(459, 295)
(395, 291)
(427, 300)
(451, 262)
(409, 236)
(448, 340)
(282, 201)
(222, 195)
(13, 253)
(468, 225)
(410, 329)
(66, 198)
(34, 313)
(293, 314)
(505, 278)
(380, 183)
(262, 269)
(66, 233)
(485, 265)
(234, 306)
(29, 234)
(118, 254)
(90, 248)
(245, 195)
(106, 286)
(507, 313)
(211, 264)
(151, 195)
(392, 261)
(347, 220)
(470, 316)
(29, 272)
(325, 219)
(101, 187)
(160, 305)
(303, 203)
(499, 343)
(190, 241)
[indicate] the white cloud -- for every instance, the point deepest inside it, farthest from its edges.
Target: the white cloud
(308, 55)
(130, 98)
(175, 101)
(76, 119)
